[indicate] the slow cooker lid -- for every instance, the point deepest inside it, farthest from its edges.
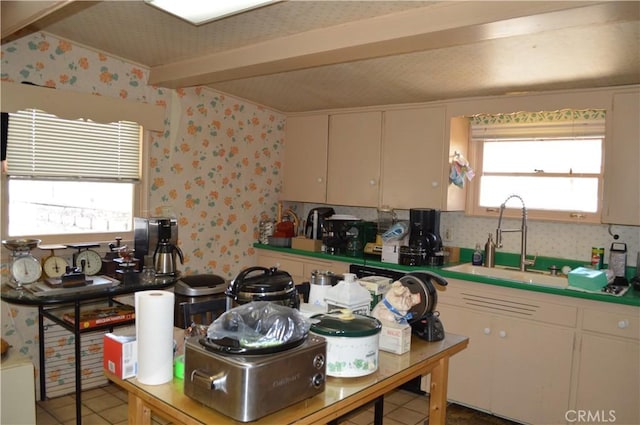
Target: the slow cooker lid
(345, 323)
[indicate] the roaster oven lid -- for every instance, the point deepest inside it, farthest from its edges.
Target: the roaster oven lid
(258, 327)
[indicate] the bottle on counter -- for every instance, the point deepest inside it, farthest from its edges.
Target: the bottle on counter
(490, 252)
(476, 259)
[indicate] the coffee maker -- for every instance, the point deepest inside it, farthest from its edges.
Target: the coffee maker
(425, 243)
(322, 213)
(146, 232)
(164, 256)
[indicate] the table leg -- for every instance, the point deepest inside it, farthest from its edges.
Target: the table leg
(438, 393)
(378, 411)
(138, 412)
(43, 375)
(77, 347)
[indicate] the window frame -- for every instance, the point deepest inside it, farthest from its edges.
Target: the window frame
(514, 210)
(139, 204)
(73, 104)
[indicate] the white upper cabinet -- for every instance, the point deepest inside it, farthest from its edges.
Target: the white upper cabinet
(621, 200)
(305, 159)
(415, 159)
(354, 159)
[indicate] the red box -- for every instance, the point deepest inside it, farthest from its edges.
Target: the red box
(120, 355)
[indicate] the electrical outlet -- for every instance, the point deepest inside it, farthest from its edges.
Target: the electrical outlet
(448, 234)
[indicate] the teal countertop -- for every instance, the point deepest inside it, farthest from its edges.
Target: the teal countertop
(632, 297)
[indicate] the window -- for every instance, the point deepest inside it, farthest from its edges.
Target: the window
(70, 177)
(553, 160)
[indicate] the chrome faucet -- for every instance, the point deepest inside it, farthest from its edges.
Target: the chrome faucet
(523, 233)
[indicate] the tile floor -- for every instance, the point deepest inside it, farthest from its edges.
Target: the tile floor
(108, 405)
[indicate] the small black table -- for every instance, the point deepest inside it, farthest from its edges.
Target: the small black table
(48, 304)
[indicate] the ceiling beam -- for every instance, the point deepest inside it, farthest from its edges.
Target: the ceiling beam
(17, 15)
(435, 26)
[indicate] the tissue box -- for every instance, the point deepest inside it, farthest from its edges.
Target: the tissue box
(304, 244)
(587, 279)
(395, 338)
(120, 355)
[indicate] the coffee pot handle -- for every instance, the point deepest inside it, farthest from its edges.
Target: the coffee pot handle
(179, 251)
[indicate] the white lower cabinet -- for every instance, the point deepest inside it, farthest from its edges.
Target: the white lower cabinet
(514, 368)
(608, 381)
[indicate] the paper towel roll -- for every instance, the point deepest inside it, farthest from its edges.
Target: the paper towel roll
(154, 333)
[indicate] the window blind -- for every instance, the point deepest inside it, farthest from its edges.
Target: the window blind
(41, 145)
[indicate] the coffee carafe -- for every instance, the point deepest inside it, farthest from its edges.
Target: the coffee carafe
(164, 257)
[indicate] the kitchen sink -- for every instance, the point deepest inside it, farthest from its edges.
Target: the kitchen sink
(534, 277)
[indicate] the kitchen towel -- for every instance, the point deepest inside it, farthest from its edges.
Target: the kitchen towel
(154, 333)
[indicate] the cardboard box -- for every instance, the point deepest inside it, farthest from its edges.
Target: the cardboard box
(120, 355)
(390, 254)
(304, 244)
(377, 287)
(395, 338)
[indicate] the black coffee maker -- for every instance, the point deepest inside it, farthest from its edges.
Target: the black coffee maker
(322, 213)
(425, 243)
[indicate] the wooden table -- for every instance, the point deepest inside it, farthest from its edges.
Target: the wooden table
(341, 395)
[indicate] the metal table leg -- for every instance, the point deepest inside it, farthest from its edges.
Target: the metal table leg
(43, 380)
(76, 333)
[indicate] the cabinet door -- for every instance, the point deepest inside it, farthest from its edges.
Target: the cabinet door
(532, 374)
(471, 370)
(506, 370)
(354, 159)
(413, 158)
(622, 156)
(305, 159)
(608, 379)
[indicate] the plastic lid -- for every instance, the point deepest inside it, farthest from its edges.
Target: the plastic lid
(345, 323)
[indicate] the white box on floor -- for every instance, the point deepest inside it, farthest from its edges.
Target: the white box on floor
(17, 377)
(395, 338)
(120, 355)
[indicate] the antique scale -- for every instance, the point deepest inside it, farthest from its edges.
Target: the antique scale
(86, 260)
(24, 267)
(53, 265)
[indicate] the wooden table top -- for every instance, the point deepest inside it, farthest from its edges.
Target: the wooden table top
(341, 395)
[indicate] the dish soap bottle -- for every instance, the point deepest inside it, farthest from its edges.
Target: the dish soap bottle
(490, 252)
(476, 259)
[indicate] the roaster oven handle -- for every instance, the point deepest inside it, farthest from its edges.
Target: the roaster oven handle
(204, 379)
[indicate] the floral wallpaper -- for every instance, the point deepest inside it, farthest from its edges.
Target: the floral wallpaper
(216, 166)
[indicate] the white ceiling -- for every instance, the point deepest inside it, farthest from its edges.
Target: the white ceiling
(299, 56)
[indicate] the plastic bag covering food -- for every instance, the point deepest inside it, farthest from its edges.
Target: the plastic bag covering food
(260, 324)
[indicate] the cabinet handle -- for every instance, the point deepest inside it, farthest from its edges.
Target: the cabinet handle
(319, 180)
(623, 324)
(372, 182)
(487, 331)
(502, 334)
(435, 184)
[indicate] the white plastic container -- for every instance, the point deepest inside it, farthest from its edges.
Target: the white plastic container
(349, 294)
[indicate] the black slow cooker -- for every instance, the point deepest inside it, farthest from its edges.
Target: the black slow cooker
(262, 284)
